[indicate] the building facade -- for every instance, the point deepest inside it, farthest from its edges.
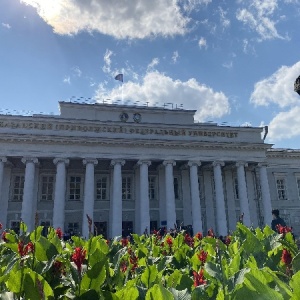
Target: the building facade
(130, 168)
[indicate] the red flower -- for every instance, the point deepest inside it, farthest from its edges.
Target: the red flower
(189, 240)
(199, 236)
(1, 226)
(3, 236)
(199, 278)
(133, 260)
(124, 242)
(58, 268)
(78, 257)
(29, 247)
(227, 240)
(59, 232)
(169, 241)
(286, 257)
(210, 233)
(283, 229)
(123, 266)
(202, 256)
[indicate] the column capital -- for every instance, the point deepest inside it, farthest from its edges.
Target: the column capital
(241, 163)
(57, 160)
(171, 162)
(117, 161)
(29, 159)
(194, 163)
(3, 159)
(218, 163)
(90, 161)
(144, 161)
(262, 164)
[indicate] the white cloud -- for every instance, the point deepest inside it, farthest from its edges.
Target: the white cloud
(107, 61)
(278, 88)
(190, 5)
(285, 125)
(77, 72)
(175, 56)
(159, 88)
(259, 17)
(67, 80)
(6, 25)
(120, 19)
(202, 43)
(154, 62)
(225, 22)
(227, 65)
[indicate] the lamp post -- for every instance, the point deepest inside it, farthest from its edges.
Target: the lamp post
(297, 85)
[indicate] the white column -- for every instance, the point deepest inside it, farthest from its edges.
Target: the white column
(89, 195)
(196, 206)
(265, 194)
(27, 214)
(144, 196)
(220, 202)
(60, 193)
(116, 203)
(170, 197)
(243, 197)
(3, 160)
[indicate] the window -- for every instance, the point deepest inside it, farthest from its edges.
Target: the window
(281, 189)
(126, 188)
(176, 187)
(75, 188)
(152, 187)
(102, 188)
(18, 187)
(73, 228)
(47, 187)
(298, 184)
(15, 226)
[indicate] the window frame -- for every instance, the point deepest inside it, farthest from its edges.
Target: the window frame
(41, 187)
(100, 177)
(152, 188)
(131, 189)
(20, 195)
(80, 187)
(282, 177)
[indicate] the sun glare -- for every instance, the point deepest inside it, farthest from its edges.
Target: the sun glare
(49, 8)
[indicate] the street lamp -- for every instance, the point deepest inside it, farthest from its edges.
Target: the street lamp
(297, 85)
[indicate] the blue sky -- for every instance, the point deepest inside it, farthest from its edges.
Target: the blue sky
(234, 61)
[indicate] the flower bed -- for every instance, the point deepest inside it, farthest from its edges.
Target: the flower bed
(249, 264)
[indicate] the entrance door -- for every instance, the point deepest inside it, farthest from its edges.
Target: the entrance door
(127, 228)
(100, 229)
(153, 226)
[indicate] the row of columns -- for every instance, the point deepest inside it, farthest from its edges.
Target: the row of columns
(142, 205)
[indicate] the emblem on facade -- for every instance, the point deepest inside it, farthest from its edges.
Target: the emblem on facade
(137, 117)
(124, 117)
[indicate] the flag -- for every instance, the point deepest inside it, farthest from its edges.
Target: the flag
(119, 77)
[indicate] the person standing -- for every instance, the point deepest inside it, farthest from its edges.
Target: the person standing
(276, 220)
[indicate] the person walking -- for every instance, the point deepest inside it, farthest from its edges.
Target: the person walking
(276, 220)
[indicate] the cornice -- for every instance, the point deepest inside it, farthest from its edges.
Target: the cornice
(143, 143)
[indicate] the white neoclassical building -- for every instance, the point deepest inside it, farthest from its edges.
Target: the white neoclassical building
(132, 167)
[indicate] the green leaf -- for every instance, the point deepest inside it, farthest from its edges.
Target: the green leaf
(158, 292)
(174, 279)
(94, 278)
(15, 280)
(294, 284)
(181, 295)
(36, 287)
(36, 234)
(44, 249)
(296, 263)
(149, 275)
(131, 293)
(220, 295)
(200, 293)
(214, 270)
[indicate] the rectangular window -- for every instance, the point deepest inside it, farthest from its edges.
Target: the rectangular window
(298, 184)
(102, 188)
(152, 187)
(75, 188)
(126, 188)
(18, 187)
(47, 187)
(73, 228)
(15, 226)
(281, 189)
